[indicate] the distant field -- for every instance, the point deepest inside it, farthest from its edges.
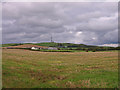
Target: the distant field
(34, 69)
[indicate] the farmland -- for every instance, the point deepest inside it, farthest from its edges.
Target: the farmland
(35, 69)
(66, 46)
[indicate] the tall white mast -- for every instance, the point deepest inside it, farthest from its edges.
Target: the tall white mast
(51, 38)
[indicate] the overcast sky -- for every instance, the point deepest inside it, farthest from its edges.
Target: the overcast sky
(92, 23)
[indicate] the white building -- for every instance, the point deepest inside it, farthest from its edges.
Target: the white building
(52, 48)
(34, 48)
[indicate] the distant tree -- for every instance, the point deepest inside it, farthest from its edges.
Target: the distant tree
(58, 48)
(94, 50)
(59, 44)
(117, 48)
(70, 48)
(86, 50)
(83, 49)
(79, 48)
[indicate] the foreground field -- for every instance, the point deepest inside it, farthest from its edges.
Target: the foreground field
(34, 69)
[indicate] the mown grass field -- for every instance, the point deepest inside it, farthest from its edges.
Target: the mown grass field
(34, 69)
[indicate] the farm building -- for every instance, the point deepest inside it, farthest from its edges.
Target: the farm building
(33, 47)
(52, 48)
(27, 46)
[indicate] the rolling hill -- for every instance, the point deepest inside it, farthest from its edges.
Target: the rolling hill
(68, 46)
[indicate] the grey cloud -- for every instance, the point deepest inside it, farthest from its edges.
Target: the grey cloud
(88, 23)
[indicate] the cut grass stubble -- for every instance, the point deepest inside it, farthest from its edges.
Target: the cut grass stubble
(31, 69)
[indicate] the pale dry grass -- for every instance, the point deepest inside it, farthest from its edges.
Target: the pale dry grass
(57, 68)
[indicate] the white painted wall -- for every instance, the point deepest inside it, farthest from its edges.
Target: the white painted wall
(34, 48)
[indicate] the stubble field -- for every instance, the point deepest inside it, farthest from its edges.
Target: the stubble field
(35, 69)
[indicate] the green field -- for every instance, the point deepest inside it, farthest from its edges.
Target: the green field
(67, 46)
(35, 69)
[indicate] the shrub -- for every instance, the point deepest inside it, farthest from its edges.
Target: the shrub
(86, 50)
(56, 50)
(94, 50)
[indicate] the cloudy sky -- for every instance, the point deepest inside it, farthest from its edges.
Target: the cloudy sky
(93, 23)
